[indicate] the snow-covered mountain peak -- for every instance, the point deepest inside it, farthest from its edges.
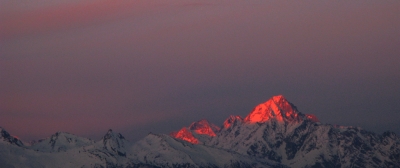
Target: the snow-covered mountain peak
(312, 117)
(61, 141)
(278, 98)
(277, 108)
(110, 134)
(6, 137)
(114, 142)
(60, 134)
(110, 131)
(203, 127)
(186, 135)
(231, 120)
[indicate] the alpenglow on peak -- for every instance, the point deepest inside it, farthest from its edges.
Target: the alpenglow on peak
(276, 108)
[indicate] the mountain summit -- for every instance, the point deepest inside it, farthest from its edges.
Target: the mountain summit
(204, 127)
(277, 108)
(6, 137)
(186, 135)
(198, 131)
(114, 142)
(232, 120)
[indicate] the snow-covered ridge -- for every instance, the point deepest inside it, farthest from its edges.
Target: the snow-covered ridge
(198, 132)
(7, 138)
(232, 120)
(277, 110)
(60, 142)
(204, 127)
(274, 134)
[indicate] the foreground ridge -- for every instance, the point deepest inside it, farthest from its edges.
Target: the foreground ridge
(273, 134)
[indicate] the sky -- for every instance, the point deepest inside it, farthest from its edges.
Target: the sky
(140, 66)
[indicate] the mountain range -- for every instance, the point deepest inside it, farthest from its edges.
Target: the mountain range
(273, 134)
